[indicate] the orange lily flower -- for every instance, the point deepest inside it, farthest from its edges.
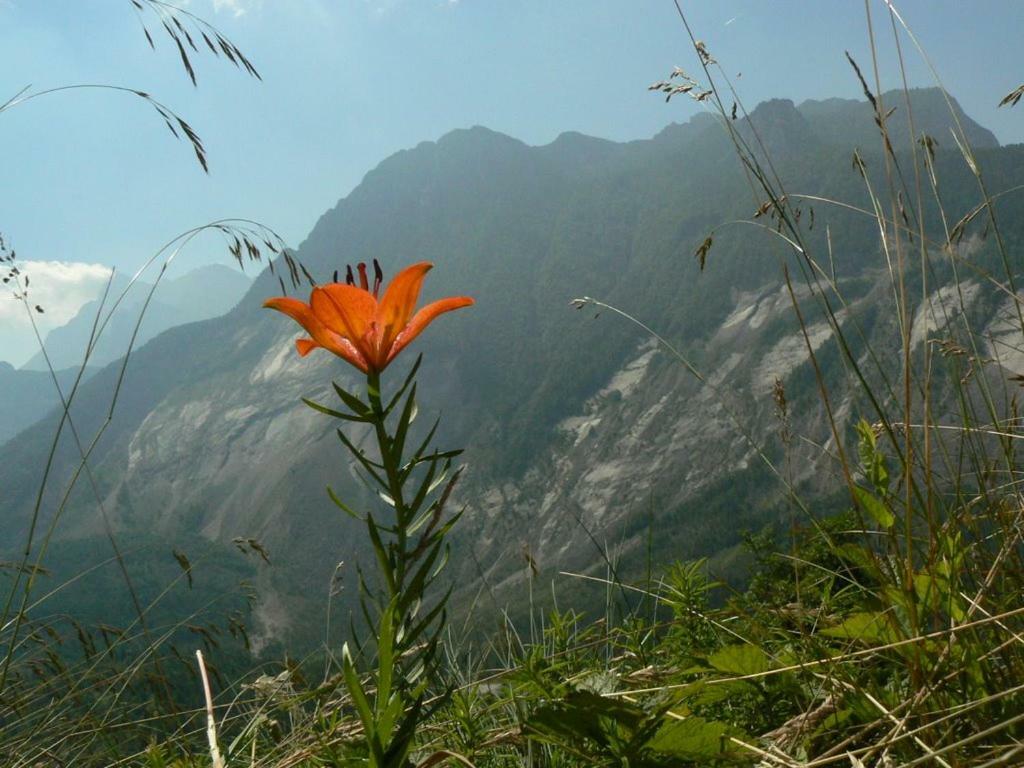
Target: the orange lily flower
(349, 321)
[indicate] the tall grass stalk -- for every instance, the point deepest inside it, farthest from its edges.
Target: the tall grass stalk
(887, 630)
(75, 704)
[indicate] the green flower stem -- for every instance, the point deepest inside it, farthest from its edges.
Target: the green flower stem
(392, 473)
(410, 552)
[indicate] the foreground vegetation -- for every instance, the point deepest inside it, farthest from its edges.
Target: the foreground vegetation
(881, 626)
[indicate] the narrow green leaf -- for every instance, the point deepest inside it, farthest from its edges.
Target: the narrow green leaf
(355, 689)
(405, 385)
(385, 656)
(398, 750)
(353, 402)
(389, 715)
(404, 422)
(424, 623)
(342, 505)
(371, 467)
(426, 441)
(381, 552)
(426, 485)
(331, 412)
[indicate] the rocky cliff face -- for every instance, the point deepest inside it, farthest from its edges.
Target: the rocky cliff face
(582, 434)
(655, 441)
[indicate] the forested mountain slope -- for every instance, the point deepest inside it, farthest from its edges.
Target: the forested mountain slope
(581, 436)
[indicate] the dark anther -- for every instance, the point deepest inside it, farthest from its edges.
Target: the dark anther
(349, 279)
(335, 276)
(378, 277)
(363, 282)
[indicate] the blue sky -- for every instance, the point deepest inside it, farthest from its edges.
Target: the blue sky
(95, 178)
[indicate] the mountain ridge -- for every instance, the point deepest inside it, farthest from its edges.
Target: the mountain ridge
(222, 446)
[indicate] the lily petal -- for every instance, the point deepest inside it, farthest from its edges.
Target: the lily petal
(300, 312)
(346, 350)
(305, 346)
(345, 309)
(323, 336)
(423, 318)
(399, 301)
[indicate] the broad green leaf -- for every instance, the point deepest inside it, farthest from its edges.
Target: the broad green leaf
(868, 627)
(599, 682)
(692, 738)
(935, 593)
(928, 590)
(740, 660)
(859, 555)
(871, 459)
(833, 721)
(874, 508)
(583, 715)
(703, 693)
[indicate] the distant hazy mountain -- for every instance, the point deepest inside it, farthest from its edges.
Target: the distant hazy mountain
(851, 123)
(577, 430)
(197, 295)
(27, 394)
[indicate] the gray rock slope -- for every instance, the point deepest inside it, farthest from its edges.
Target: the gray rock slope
(580, 433)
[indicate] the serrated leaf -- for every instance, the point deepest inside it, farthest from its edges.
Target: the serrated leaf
(866, 626)
(740, 660)
(692, 738)
(599, 682)
(583, 715)
(701, 693)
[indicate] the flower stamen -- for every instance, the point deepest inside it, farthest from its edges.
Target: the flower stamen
(378, 278)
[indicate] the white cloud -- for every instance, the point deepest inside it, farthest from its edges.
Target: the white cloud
(236, 7)
(61, 288)
(385, 7)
